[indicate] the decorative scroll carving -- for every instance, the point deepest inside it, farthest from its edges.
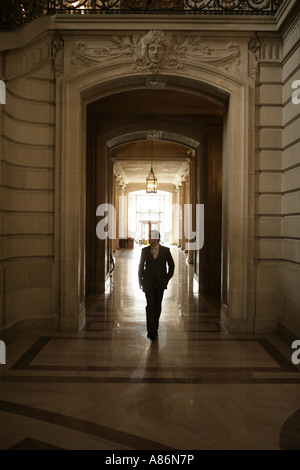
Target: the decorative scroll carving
(254, 51)
(57, 53)
(228, 58)
(157, 51)
(89, 56)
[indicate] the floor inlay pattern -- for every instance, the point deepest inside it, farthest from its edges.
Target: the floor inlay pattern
(110, 388)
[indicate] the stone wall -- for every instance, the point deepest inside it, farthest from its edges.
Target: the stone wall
(268, 179)
(289, 273)
(277, 186)
(28, 273)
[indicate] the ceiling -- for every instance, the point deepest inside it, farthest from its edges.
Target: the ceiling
(152, 101)
(168, 161)
(133, 160)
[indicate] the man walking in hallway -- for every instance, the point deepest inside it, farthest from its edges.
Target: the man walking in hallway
(155, 271)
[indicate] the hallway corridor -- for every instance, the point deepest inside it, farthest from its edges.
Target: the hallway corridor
(109, 388)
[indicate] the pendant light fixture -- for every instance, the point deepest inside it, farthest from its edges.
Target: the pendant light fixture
(151, 180)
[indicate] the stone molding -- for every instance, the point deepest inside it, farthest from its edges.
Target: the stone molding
(177, 53)
(271, 51)
(25, 62)
(262, 50)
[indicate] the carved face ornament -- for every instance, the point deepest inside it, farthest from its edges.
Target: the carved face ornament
(154, 47)
(156, 53)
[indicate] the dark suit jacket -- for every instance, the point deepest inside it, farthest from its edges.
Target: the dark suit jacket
(150, 269)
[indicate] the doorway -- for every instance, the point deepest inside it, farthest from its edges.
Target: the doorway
(177, 114)
(149, 212)
(188, 166)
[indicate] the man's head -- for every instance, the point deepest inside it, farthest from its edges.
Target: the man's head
(154, 237)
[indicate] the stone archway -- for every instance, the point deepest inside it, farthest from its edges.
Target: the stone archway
(77, 93)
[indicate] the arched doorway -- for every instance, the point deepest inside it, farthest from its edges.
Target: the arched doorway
(236, 280)
(126, 123)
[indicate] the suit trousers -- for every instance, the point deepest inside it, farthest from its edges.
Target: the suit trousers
(154, 296)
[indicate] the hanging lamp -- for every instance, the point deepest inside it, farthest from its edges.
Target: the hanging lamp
(151, 180)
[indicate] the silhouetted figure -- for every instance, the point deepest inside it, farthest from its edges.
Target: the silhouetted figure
(155, 270)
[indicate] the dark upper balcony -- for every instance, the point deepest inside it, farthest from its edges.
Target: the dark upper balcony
(17, 12)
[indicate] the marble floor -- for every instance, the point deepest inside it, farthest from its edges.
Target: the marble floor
(110, 388)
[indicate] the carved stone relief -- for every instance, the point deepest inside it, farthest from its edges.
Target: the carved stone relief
(156, 52)
(254, 52)
(57, 54)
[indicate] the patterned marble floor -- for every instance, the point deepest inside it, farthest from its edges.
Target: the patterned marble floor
(110, 388)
